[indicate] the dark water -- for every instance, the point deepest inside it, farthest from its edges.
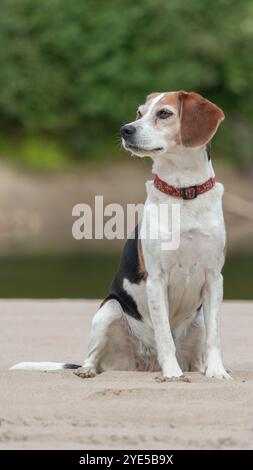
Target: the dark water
(89, 276)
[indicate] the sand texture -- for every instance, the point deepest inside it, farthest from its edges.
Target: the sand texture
(124, 410)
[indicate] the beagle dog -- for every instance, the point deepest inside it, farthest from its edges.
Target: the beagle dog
(163, 310)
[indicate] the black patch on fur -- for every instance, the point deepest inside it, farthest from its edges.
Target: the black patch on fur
(208, 151)
(71, 366)
(128, 269)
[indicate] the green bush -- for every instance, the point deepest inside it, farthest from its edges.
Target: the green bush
(73, 71)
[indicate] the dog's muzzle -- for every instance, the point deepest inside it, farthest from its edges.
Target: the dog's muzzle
(127, 132)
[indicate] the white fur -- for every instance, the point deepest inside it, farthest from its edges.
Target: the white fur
(44, 366)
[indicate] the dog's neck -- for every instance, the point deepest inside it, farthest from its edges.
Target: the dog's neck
(184, 167)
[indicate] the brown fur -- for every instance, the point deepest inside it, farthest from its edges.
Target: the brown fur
(170, 98)
(199, 119)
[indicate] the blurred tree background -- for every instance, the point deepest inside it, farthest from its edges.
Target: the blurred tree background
(71, 72)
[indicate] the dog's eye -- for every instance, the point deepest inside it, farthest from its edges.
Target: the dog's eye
(138, 115)
(164, 113)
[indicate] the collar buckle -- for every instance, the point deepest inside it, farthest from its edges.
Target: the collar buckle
(191, 192)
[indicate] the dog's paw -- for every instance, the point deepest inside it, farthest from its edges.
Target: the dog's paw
(86, 372)
(217, 373)
(215, 367)
(171, 369)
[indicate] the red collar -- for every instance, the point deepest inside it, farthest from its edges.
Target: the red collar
(190, 192)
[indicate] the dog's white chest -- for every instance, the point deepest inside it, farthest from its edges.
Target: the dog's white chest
(199, 249)
(198, 225)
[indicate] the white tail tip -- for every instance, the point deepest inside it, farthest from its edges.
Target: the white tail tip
(44, 366)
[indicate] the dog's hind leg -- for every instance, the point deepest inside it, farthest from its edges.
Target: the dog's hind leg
(100, 355)
(191, 345)
(197, 337)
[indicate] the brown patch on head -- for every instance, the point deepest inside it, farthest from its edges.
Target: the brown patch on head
(142, 267)
(199, 119)
(170, 98)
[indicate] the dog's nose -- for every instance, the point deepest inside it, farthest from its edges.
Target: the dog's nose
(127, 130)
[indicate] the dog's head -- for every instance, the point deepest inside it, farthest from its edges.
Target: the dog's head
(170, 120)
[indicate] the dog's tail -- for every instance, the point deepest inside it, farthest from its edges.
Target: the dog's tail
(44, 366)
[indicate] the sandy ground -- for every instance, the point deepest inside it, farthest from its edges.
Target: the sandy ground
(57, 410)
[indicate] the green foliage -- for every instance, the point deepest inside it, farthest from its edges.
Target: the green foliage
(76, 70)
(35, 152)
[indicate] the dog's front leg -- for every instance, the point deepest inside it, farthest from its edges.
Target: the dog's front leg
(212, 301)
(158, 307)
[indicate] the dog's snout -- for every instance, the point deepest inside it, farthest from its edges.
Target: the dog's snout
(127, 130)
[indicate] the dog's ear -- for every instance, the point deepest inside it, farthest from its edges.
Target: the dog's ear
(152, 95)
(199, 119)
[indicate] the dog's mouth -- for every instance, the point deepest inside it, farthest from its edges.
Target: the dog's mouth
(136, 148)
